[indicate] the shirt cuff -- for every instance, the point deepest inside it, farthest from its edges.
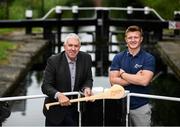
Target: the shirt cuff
(56, 95)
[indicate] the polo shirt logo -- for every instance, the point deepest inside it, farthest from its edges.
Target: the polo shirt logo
(137, 66)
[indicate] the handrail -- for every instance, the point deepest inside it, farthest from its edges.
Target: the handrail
(48, 13)
(147, 9)
(33, 96)
(15, 98)
(146, 96)
(127, 94)
(43, 96)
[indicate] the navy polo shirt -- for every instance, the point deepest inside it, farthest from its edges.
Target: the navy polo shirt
(132, 64)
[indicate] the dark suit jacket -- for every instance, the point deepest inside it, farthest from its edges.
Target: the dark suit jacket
(57, 78)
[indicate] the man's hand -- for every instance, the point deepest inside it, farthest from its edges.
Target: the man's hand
(87, 92)
(63, 100)
(142, 77)
(121, 71)
(115, 77)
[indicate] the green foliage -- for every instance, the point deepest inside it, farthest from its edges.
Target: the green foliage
(2, 13)
(18, 8)
(15, 9)
(165, 8)
(4, 49)
(17, 12)
(4, 31)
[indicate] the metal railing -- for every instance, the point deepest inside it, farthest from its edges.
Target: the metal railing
(75, 9)
(145, 96)
(127, 94)
(16, 98)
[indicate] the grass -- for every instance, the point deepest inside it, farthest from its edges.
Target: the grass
(5, 31)
(5, 48)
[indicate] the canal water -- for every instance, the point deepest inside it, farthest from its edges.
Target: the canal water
(27, 112)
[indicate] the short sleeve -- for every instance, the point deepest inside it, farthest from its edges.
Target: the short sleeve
(116, 63)
(149, 63)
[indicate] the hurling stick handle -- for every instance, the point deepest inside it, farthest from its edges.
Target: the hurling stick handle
(48, 105)
(51, 104)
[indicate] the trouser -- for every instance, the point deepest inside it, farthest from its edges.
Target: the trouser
(70, 119)
(141, 116)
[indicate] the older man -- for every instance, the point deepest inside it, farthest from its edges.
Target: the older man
(67, 71)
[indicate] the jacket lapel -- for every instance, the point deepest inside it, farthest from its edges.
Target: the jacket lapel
(67, 74)
(78, 70)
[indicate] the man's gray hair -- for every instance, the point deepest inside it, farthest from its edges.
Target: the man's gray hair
(72, 35)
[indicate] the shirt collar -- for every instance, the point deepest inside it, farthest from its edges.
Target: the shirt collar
(128, 53)
(70, 61)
